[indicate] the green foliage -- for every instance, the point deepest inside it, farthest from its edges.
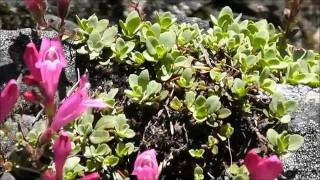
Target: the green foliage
(239, 172)
(196, 153)
(104, 143)
(96, 35)
(198, 173)
(121, 49)
(131, 25)
(284, 142)
(203, 108)
(213, 145)
(280, 107)
(142, 89)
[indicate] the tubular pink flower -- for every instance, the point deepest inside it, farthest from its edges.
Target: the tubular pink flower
(31, 57)
(91, 176)
(75, 105)
(51, 61)
(8, 98)
(61, 150)
(263, 168)
(146, 166)
(63, 8)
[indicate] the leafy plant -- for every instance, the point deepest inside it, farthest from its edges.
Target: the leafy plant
(213, 145)
(186, 80)
(203, 108)
(96, 34)
(239, 172)
(143, 90)
(280, 107)
(198, 173)
(284, 142)
(132, 24)
(121, 49)
(196, 153)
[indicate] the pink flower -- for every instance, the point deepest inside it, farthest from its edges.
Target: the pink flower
(46, 65)
(31, 57)
(75, 105)
(8, 98)
(63, 8)
(61, 150)
(38, 10)
(31, 96)
(263, 168)
(91, 176)
(49, 175)
(146, 166)
(51, 61)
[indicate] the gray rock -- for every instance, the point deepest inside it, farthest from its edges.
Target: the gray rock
(7, 176)
(304, 163)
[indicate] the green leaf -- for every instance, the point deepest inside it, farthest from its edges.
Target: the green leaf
(151, 44)
(168, 39)
(133, 22)
(124, 149)
(213, 104)
(226, 130)
(198, 173)
(153, 88)
(133, 80)
(295, 142)
(143, 78)
(84, 129)
(100, 136)
(196, 153)
(285, 119)
(175, 104)
(190, 98)
(272, 136)
(110, 161)
(105, 122)
(71, 162)
(108, 36)
(102, 149)
(224, 113)
(101, 25)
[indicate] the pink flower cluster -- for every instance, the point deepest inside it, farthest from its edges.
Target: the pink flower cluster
(45, 67)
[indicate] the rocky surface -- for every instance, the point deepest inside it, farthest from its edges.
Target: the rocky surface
(304, 163)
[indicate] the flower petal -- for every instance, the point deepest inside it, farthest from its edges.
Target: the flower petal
(8, 98)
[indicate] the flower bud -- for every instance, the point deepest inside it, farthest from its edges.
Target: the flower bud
(31, 96)
(29, 80)
(45, 136)
(8, 98)
(38, 10)
(49, 175)
(63, 8)
(61, 150)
